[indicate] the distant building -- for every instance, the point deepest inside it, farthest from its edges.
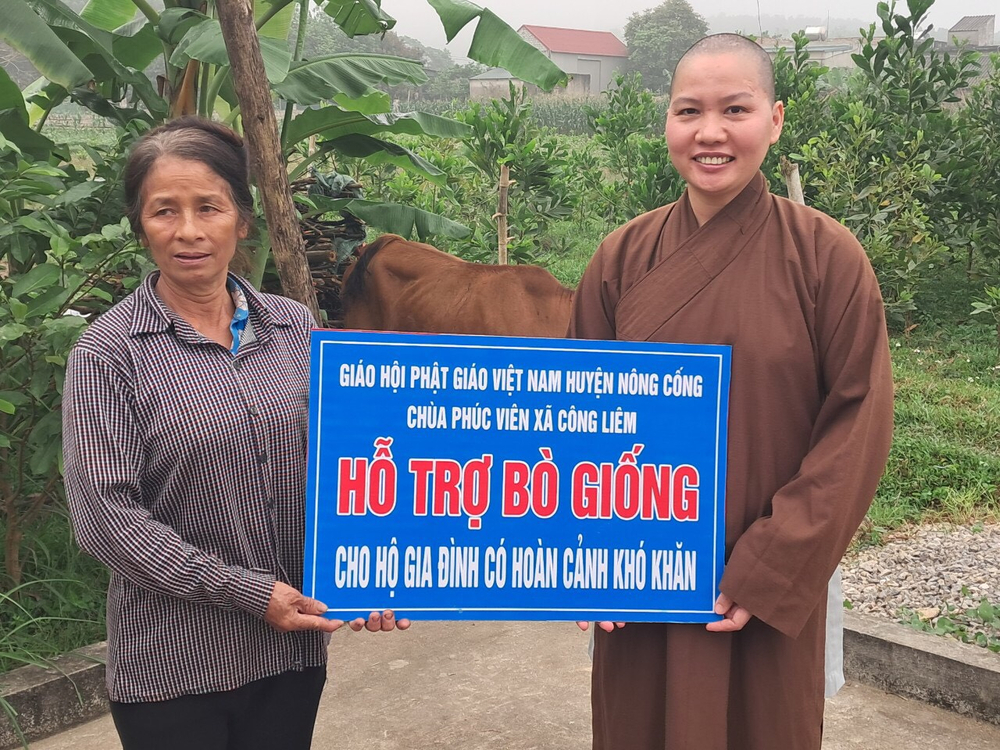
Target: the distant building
(977, 31)
(590, 58)
(973, 33)
(830, 53)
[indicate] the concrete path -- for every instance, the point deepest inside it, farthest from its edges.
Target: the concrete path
(523, 686)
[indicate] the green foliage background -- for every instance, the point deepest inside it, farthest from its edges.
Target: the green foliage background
(901, 150)
(657, 38)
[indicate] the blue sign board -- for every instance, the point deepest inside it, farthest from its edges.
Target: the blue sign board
(487, 478)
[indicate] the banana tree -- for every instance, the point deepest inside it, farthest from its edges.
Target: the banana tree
(97, 58)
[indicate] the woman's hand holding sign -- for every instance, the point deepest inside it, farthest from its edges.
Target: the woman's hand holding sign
(734, 616)
(291, 610)
(383, 622)
(606, 626)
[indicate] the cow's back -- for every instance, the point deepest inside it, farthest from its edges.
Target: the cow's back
(413, 287)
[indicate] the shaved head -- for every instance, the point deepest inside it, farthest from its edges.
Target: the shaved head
(729, 44)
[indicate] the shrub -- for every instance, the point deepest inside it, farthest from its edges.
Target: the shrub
(68, 255)
(629, 130)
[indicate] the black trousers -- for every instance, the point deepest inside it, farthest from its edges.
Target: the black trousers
(275, 712)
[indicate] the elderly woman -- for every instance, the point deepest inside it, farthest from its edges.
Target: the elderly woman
(184, 419)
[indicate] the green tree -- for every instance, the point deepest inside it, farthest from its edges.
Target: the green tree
(980, 217)
(801, 84)
(657, 38)
(890, 162)
(449, 84)
(629, 130)
(435, 59)
(504, 132)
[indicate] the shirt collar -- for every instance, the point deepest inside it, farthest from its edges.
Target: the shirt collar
(150, 315)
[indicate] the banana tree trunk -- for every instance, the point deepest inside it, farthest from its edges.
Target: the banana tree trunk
(260, 127)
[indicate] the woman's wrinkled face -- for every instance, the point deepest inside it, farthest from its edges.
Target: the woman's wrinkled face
(189, 222)
(720, 124)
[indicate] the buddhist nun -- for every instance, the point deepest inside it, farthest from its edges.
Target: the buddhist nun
(810, 421)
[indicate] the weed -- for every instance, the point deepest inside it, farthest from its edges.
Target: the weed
(978, 625)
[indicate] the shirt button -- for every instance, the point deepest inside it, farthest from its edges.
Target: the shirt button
(262, 458)
(254, 411)
(237, 364)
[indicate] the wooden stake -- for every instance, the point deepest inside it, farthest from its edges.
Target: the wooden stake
(266, 163)
(501, 216)
(790, 171)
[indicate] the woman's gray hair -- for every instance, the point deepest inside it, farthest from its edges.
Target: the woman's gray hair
(217, 147)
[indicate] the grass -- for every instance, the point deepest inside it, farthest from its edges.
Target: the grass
(571, 246)
(79, 137)
(945, 459)
(60, 604)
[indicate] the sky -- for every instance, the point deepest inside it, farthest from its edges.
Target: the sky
(417, 19)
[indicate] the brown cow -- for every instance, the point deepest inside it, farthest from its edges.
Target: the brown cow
(398, 285)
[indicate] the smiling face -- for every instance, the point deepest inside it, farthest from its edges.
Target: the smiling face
(189, 223)
(720, 124)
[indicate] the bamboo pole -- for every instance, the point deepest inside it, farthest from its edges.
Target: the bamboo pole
(501, 216)
(266, 162)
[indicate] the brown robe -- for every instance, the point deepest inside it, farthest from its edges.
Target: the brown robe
(810, 425)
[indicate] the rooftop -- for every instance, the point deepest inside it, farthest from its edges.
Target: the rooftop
(493, 74)
(973, 23)
(577, 41)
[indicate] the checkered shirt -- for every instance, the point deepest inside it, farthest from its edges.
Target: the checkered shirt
(185, 471)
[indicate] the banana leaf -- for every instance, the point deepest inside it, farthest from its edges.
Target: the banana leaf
(371, 103)
(376, 152)
(176, 22)
(96, 48)
(333, 122)
(278, 26)
(493, 43)
(10, 97)
(359, 17)
(397, 218)
(109, 14)
(14, 122)
(205, 42)
(353, 75)
(136, 45)
(497, 44)
(27, 32)
(100, 105)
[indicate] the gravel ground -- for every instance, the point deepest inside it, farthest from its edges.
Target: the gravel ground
(925, 569)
